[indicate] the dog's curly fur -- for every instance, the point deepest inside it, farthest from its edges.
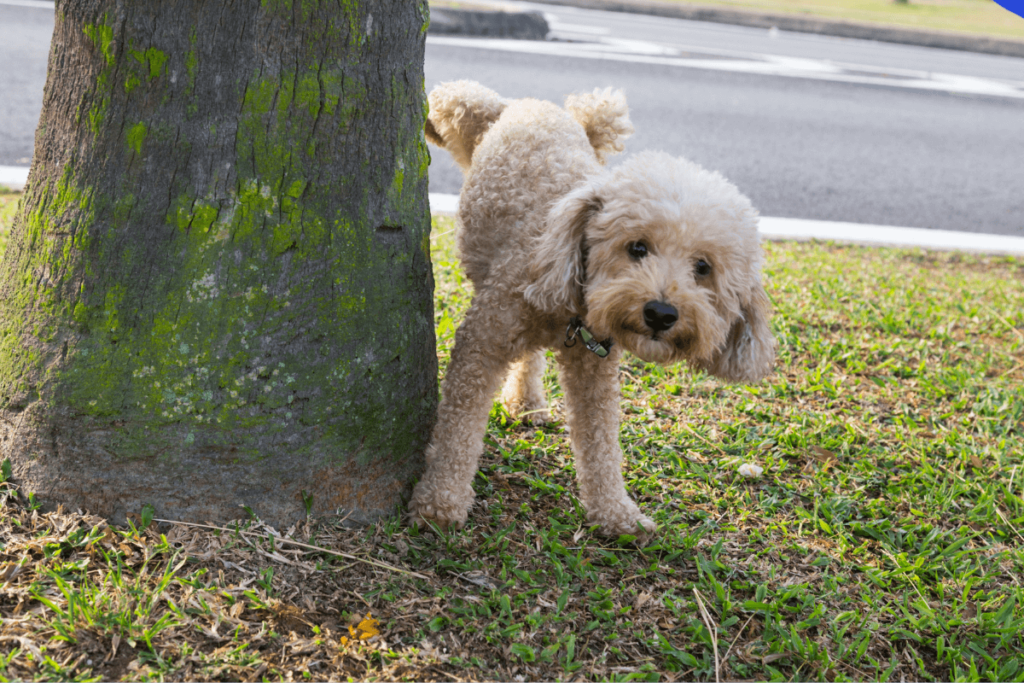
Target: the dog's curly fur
(547, 233)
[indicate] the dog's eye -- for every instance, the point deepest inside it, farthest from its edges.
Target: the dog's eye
(637, 250)
(702, 268)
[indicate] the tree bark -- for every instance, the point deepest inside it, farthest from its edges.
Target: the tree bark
(217, 291)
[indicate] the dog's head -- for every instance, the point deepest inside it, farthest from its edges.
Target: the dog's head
(664, 258)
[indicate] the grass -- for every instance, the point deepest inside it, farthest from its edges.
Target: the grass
(8, 205)
(882, 542)
(966, 16)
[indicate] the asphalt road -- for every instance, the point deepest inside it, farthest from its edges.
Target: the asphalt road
(808, 126)
(800, 147)
(24, 45)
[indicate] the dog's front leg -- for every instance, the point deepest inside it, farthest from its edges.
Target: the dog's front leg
(481, 355)
(591, 387)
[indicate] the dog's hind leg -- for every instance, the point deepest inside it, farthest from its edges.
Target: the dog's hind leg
(591, 387)
(523, 394)
(479, 360)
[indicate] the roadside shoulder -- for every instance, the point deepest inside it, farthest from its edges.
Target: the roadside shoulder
(842, 28)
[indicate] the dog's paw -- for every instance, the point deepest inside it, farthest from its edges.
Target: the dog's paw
(433, 510)
(428, 520)
(625, 520)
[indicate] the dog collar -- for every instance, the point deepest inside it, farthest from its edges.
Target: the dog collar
(576, 328)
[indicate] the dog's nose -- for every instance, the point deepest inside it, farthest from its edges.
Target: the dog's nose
(659, 315)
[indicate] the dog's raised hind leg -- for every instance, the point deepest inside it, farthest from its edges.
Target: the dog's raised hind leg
(478, 363)
(523, 394)
(591, 385)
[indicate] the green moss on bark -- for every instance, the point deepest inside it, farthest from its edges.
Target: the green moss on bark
(152, 59)
(102, 37)
(136, 136)
(197, 367)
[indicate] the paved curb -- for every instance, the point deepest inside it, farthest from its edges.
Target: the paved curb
(13, 177)
(790, 22)
(803, 230)
(507, 22)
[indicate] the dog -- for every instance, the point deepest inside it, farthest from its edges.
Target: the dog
(657, 256)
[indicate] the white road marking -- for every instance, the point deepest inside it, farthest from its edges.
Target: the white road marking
(853, 233)
(444, 203)
(643, 52)
(13, 177)
(890, 236)
(38, 4)
(561, 27)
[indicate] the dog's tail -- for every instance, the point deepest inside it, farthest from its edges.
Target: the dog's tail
(604, 114)
(460, 113)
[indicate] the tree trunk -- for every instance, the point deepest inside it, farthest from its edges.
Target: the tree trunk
(217, 291)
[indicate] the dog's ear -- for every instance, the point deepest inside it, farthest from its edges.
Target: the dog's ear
(749, 351)
(558, 269)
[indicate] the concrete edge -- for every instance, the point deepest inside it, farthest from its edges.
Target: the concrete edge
(516, 24)
(802, 229)
(805, 230)
(13, 177)
(35, 4)
(842, 28)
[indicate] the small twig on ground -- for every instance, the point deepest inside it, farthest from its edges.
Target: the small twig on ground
(713, 630)
(1007, 523)
(362, 599)
(435, 236)
(913, 584)
(300, 544)
(979, 487)
(739, 633)
(1005, 322)
(705, 439)
(1015, 368)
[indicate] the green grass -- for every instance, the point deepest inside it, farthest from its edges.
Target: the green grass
(882, 542)
(965, 16)
(8, 205)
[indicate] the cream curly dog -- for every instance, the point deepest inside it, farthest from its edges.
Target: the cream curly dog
(657, 257)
